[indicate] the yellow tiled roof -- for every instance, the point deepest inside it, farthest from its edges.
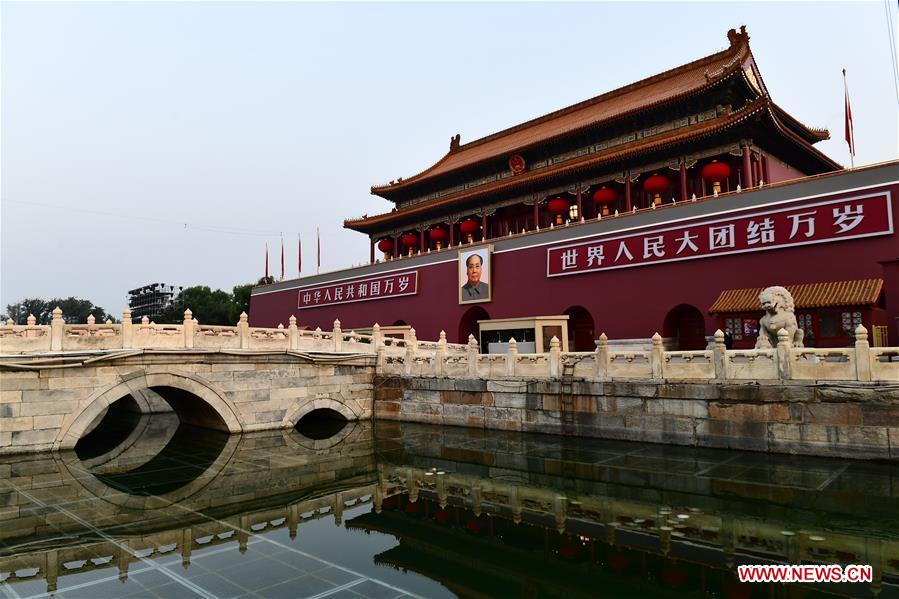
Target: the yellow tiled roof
(862, 292)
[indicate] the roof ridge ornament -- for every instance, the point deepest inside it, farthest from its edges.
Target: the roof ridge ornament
(735, 37)
(455, 142)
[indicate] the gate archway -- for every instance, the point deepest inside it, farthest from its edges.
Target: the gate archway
(468, 324)
(581, 331)
(686, 325)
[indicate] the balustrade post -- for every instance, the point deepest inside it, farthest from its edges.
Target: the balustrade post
(862, 354)
(127, 329)
(472, 357)
(555, 356)
(784, 345)
(188, 329)
(377, 339)
(56, 330)
(719, 356)
(656, 357)
(293, 334)
(511, 357)
(440, 355)
(408, 359)
(243, 331)
(337, 336)
(412, 342)
(602, 357)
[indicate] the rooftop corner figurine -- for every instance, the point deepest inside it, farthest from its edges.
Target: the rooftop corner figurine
(779, 314)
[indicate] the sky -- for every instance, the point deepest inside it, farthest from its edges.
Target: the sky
(169, 142)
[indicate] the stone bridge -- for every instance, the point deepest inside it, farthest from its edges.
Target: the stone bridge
(59, 380)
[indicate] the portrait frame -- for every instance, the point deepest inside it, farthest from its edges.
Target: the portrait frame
(485, 252)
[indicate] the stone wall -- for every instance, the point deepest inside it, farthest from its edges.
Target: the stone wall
(845, 420)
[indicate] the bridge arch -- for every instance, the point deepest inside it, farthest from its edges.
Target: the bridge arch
(292, 417)
(176, 387)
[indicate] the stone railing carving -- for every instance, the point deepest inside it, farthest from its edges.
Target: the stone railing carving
(438, 358)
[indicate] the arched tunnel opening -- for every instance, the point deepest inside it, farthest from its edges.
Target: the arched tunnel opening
(320, 424)
(152, 441)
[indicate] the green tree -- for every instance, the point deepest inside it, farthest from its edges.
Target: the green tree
(20, 310)
(240, 300)
(75, 310)
(207, 306)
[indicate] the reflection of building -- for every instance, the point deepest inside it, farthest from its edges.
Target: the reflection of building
(630, 212)
(505, 511)
(151, 300)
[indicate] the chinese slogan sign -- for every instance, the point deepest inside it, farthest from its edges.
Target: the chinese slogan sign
(383, 287)
(818, 222)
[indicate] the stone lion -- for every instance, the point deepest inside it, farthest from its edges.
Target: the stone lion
(779, 314)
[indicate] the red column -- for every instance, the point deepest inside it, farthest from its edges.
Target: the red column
(484, 234)
(452, 234)
(421, 243)
(683, 181)
(747, 169)
(536, 214)
(372, 259)
(765, 172)
(580, 203)
(396, 246)
(627, 194)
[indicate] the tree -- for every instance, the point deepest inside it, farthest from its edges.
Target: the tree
(240, 297)
(207, 306)
(74, 310)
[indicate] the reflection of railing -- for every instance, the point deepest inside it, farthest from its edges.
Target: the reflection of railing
(410, 356)
(629, 522)
(87, 556)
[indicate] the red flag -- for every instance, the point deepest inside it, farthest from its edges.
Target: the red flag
(318, 242)
(850, 134)
(299, 254)
(266, 261)
(282, 258)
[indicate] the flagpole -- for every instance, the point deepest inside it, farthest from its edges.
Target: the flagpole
(850, 130)
(318, 242)
(266, 262)
(282, 257)
(299, 255)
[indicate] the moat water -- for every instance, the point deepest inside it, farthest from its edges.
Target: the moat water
(150, 508)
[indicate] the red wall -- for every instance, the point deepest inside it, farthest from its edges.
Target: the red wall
(624, 303)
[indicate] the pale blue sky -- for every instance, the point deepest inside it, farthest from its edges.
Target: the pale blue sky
(276, 117)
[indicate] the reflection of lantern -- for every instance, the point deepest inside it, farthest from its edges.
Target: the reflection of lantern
(569, 550)
(618, 562)
(442, 516)
(469, 228)
(673, 577)
(410, 242)
(386, 246)
(389, 503)
(715, 172)
(413, 508)
(605, 197)
(656, 185)
(474, 525)
(558, 206)
(438, 235)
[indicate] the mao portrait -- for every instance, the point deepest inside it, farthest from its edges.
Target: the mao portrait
(474, 276)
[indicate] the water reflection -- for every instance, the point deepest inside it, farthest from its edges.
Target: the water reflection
(171, 510)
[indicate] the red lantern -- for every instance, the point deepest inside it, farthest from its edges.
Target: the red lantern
(413, 508)
(386, 245)
(656, 184)
(715, 171)
(410, 242)
(605, 196)
(619, 562)
(558, 206)
(469, 227)
(438, 235)
(442, 516)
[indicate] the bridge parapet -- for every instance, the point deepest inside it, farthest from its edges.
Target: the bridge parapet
(860, 363)
(190, 334)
